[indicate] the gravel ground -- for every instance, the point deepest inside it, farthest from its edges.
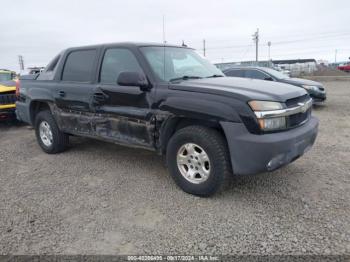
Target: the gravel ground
(99, 198)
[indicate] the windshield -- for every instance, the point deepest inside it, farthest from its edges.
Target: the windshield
(5, 77)
(170, 63)
(275, 73)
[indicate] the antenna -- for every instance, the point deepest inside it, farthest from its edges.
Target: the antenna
(164, 41)
(203, 47)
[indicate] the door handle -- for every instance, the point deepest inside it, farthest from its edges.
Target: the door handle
(99, 98)
(62, 93)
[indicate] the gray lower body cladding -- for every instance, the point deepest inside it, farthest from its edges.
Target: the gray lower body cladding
(23, 112)
(107, 127)
(252, 154)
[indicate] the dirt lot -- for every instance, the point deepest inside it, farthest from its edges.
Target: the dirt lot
(99, 198)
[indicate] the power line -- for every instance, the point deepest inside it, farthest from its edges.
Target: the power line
(305, 52)
(226, 47)
(311, 35)
(309, 38)
(281, 54)
(236, 49)
(246, 51)
(279, 42)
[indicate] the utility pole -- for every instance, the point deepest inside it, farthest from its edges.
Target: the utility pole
(256, 40)
(269, 45)
(21, 63)
(203, 47)
(335, 56)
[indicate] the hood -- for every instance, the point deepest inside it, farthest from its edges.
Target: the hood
(242, 88)
(7, 86)
(300, 81)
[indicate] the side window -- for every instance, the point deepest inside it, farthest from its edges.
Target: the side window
(256, 74)
(235, 73)
(79, 66)
(114, 62)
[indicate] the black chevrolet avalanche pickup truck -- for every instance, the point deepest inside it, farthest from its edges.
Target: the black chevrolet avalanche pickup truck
(170, 100)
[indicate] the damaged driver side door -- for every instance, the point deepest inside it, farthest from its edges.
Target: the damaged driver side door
(122, 113)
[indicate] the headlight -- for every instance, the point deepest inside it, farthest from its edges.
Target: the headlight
(265, 105)
(308, 87)
(268, 123)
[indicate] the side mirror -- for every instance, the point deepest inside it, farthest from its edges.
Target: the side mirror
(133, 79)
(268, 78)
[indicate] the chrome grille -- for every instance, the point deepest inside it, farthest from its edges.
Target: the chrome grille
(7, 98)
(299, 118)
(294, 101)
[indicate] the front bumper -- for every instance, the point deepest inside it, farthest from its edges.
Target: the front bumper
(319, 99)
(319, 96)
(252, 154)
(7, 112)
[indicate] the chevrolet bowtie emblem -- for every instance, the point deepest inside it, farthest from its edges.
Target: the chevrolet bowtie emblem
(303, 107)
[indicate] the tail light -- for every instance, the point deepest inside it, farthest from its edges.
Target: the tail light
(18, 86)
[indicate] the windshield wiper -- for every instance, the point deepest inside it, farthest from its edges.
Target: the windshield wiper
(214, 76)
(185, 78)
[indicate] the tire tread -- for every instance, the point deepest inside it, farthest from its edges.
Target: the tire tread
(60, 139)
(218, 144)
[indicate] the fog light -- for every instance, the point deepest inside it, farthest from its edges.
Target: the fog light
(269, 124)
(276, 162)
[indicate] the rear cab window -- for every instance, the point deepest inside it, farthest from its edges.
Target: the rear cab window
(255, 74)
(235, 73)
(79, 66)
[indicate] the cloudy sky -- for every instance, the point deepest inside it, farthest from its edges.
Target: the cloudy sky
(38, 30)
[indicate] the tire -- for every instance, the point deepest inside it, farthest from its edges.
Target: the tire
(215, 147)
(59, 140)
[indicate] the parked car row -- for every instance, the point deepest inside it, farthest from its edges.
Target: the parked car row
(170, 100)
(315, 89)
(345, 68)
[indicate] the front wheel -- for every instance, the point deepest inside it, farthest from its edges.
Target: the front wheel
(48, 135)
(198, 160)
